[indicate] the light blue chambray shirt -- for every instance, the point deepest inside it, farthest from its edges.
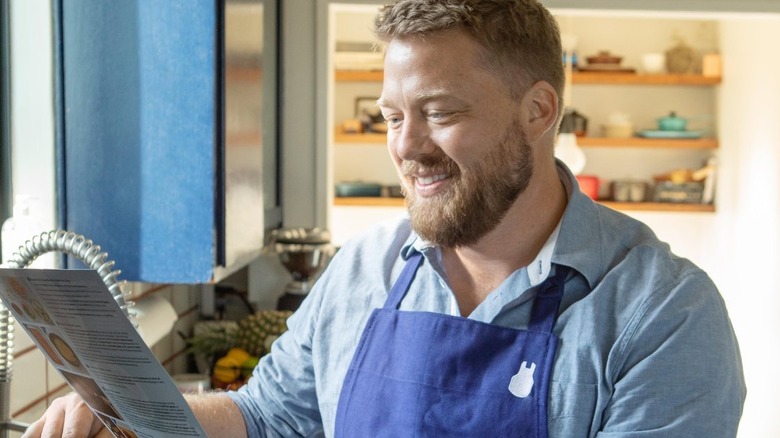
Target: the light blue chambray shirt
(646, 346)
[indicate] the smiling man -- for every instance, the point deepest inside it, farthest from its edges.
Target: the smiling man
(474, 155)
(508, 304)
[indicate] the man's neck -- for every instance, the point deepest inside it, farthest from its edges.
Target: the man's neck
(476, 270)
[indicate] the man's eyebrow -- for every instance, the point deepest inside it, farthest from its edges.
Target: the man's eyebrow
(423, 96)
(431, 94)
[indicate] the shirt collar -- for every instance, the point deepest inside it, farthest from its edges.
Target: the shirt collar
(414, 243)
(539, 269)
(580, 243)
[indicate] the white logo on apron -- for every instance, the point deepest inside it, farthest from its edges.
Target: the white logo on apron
(521, 384)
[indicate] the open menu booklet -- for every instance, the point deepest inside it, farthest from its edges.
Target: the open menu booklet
(86, 336)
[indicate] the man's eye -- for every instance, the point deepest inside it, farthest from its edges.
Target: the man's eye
(437, 115)
(392, 120)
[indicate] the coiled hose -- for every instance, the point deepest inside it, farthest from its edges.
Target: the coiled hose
(69, 243)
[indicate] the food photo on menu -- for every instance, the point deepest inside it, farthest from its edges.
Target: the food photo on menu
(43, 342)
(91, 393)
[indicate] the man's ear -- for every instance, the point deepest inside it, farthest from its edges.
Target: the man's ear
(540, 105)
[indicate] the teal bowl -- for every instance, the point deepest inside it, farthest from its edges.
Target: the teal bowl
(672, 123)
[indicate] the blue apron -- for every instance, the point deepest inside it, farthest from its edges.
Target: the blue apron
(424, 374)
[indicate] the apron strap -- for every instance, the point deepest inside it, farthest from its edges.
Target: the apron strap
(403, 282)
(547, 301)
(545, 308)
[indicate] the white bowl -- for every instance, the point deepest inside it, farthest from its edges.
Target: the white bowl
(623, 130)
(653, 62)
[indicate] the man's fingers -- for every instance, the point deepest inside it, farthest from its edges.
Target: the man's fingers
(35, 429)
(79, 420)
(67, 417)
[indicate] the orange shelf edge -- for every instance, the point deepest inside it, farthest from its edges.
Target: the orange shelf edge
(630, 142)
(621, 206)
(594, 78)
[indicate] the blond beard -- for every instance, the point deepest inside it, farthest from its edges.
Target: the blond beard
(476, 199)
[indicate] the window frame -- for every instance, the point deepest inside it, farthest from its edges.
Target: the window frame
(5, 111)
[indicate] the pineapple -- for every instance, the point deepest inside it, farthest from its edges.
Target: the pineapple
(213, 337)
(256, 332)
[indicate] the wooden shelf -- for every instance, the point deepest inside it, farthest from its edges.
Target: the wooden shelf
(341, 137)
(243, 138)
(243, 74)
(359, 75)
(606, 78)
(622, 206)
(631, 142)
(354, 201)
(641, 142)
(659, 206)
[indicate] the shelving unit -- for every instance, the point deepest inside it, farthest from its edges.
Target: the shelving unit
(581, 78)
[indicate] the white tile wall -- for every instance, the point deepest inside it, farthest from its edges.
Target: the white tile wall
(29, 379)
(36, 384)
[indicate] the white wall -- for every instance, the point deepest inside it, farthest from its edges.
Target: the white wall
(743, 249)
(739, 246)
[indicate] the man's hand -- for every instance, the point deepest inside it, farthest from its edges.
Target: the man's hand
(68, 417)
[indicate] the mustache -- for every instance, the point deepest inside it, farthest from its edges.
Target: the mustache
(427, 163)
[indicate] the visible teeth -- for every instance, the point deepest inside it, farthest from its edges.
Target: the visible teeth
(431, 179)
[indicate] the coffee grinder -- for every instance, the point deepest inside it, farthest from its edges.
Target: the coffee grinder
(304, 252)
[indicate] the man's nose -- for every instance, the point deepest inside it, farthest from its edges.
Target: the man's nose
(412, 140)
